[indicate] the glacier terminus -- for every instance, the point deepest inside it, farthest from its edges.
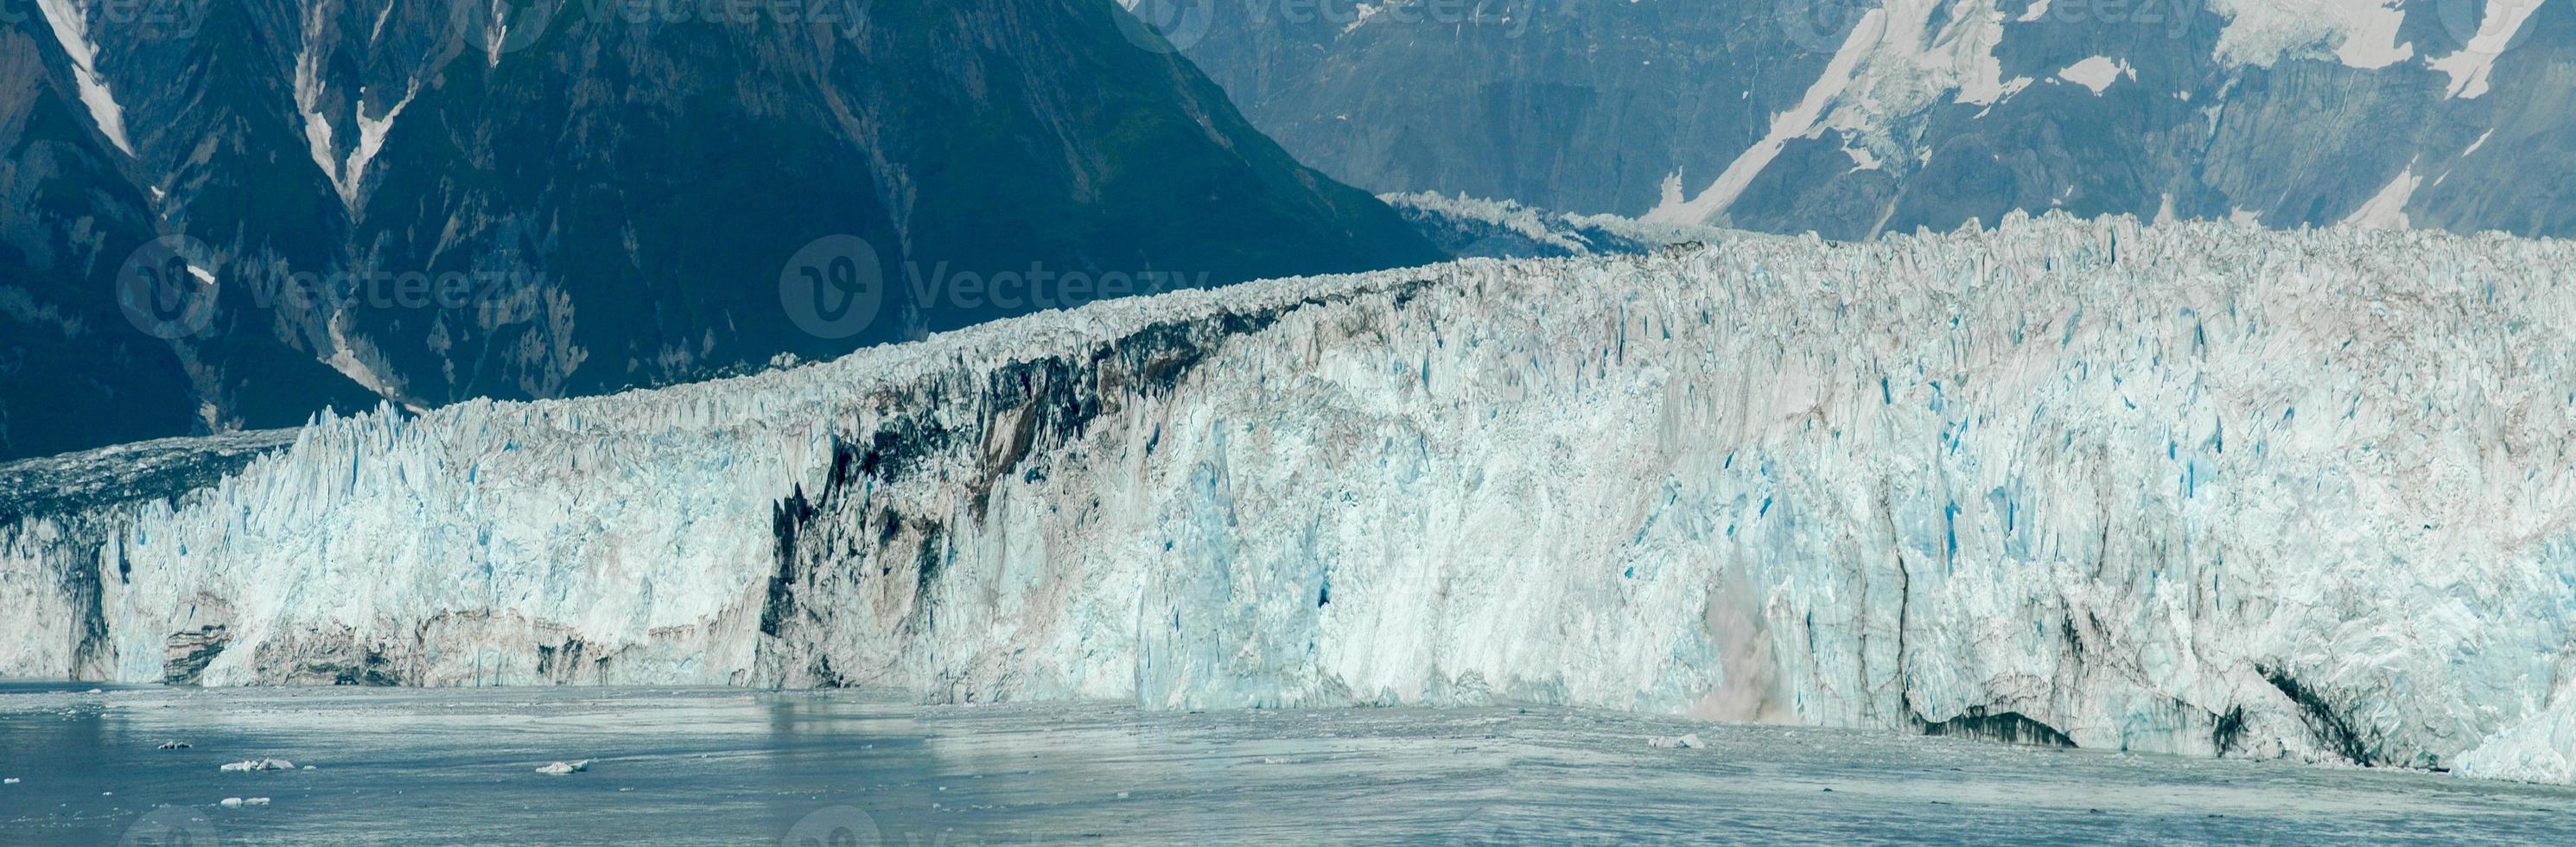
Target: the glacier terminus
(2191, 488)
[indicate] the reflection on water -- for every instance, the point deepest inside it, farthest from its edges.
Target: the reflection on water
(830, 768)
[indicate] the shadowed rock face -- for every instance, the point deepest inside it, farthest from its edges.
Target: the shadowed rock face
(72, 374)
(433, 201)
(1946, 110)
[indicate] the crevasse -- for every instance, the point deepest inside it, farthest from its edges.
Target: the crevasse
(2196, 488)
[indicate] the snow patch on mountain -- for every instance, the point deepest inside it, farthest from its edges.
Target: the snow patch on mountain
(2470, 67)
(308, 104)
(1896, 64)
(2474, 145)
(371, 140)
(2097, 73)
(1362, 13)
(69, 21)
(347, 171)
(2387, 209)
(2358, 33)
(1803, 121)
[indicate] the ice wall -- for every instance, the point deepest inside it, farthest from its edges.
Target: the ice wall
(2194, 488)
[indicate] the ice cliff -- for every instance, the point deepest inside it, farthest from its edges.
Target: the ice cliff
(2194, 488)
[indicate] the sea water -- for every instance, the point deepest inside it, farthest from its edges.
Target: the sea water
(443, 766)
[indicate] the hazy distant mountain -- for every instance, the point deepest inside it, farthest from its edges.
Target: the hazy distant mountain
(1851, 118)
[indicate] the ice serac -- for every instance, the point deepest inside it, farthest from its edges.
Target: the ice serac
(2197, 488)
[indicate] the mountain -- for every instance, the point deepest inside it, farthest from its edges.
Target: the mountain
(2055, 482)
(1857, 118)
(433, 202)
(84, 361)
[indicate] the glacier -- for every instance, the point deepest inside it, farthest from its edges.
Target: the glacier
(2194, 488)
(1474, 227)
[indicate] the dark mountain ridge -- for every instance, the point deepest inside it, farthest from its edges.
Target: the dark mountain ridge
(430, 202)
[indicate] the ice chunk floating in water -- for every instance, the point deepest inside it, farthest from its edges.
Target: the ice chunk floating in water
(2197, 489)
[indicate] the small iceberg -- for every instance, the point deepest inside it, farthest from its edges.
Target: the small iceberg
(260, 765)
(565, 768)
(1683, 742)
(174, 745)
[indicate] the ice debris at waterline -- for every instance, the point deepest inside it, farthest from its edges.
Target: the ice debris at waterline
(2197, 489)
(564, 768)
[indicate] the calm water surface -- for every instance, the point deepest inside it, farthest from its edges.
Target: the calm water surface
(832, 768)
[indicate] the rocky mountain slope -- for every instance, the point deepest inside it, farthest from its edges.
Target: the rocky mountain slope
(430, 202)
(72, 373)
